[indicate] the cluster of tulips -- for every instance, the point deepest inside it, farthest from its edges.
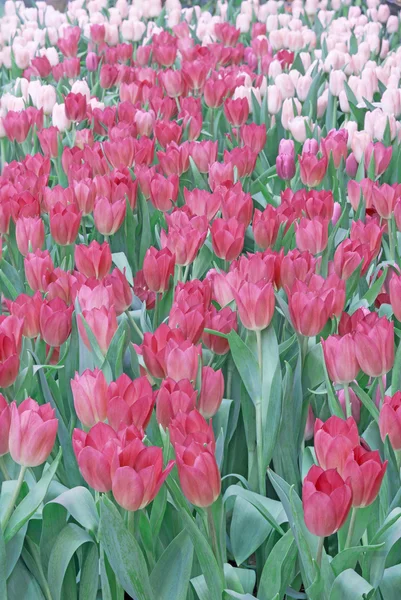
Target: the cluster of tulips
(200, 277)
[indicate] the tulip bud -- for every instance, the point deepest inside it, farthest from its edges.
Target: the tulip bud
(158, 267)
(93, 260)
(130, 402)
(109, 216)
(375, 347)
(30, 234)
(94, 452)
(132, 488)
(64, 223)
(334, 440)
(390, 420)
(312, 234)
(340, 357)
(312, 169)
(212, 391)
(223, 320)
(33, 431)
(236, 111)
(326, 500)
(38, 268)
(89, 391)
(173, 398)
(227, 238)
(55, 321)
(182, 360)
(255, 304)
(364, 471)
(27, 308)
(103, 324)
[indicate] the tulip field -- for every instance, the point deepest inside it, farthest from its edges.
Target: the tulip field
(200, 279)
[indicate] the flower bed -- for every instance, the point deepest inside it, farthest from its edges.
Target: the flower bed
(201, 301)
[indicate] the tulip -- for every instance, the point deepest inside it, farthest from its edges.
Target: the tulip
(16, 125)
(182, 360)
(130, 402)
(38, 269)
(312, 169)
(94, 452)
(255, 304)
(212, 391)
(265, 226)
(334, 440)
(236, 111)
(164, 191)
(103, 324)
(158, 267)
(198, 473)
(381, 157)
(48, 139)
(296, 265)
(5, 421)
(33, 431)
(364, 471)
(349, 255)
(375, 347)
(326, 500)
(27, 308)
(55, 321)
(340, 356)
(75, 107)
(253, 136)
(390, 420)
(236, 203)
(221, 174)
(173, 398)
(224, 321)
(285, 166)
(121, 289)
(190, 319)
(30, 234)
(310, 425)
(214, 93)
(227, 238)
(154, 349)
(137, 475)
(203, 154)
(312, 234)
(192, 427)
(93, 260)
(335, 144)
(89, 391)
(384, 200)
(109, 216)
(64, 223)
(185, 236)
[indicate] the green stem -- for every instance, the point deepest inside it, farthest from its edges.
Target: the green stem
(213, 535)
(319, 552)
(259, 425)
(391, 239)
(348, 408)
(179, 273)
(351, 528)
(4, 470)
(49, 355)
(134, 325)
(156, 313)
(131, 522)
(13, 499)
(230, 371)
(382, 390)
(185, 276)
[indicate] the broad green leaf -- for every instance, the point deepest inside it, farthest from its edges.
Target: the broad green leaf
(27, 507)
(348, 558)
(13, 550)
(391, 583)
(246, 364)
(67, 543)
(271, 510)
(170, 577)
(123, 553)
(22, 585)
(351, 586)
(248, 530)
(366, 401)
(3, 570)
(389, 533)
(278, 571)
(80, 503)
(89, 581)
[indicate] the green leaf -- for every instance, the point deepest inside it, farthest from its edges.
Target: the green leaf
(13, 550)
(67, 543)
(3, 572)
(121, 262)
(348, 558)
(396, 372)
(271, 392)
(170, 577)
(389, 533)
(80, 503)
(146, 234)
(278, 571)
(115, 352)
(22, 584)
(32, 501)
(123, 553)
(391, 583)
(366, 401)
(248, 530)
(246, 364)
(89, 580)
(351, 586)
(374, 290)
(270, 509)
